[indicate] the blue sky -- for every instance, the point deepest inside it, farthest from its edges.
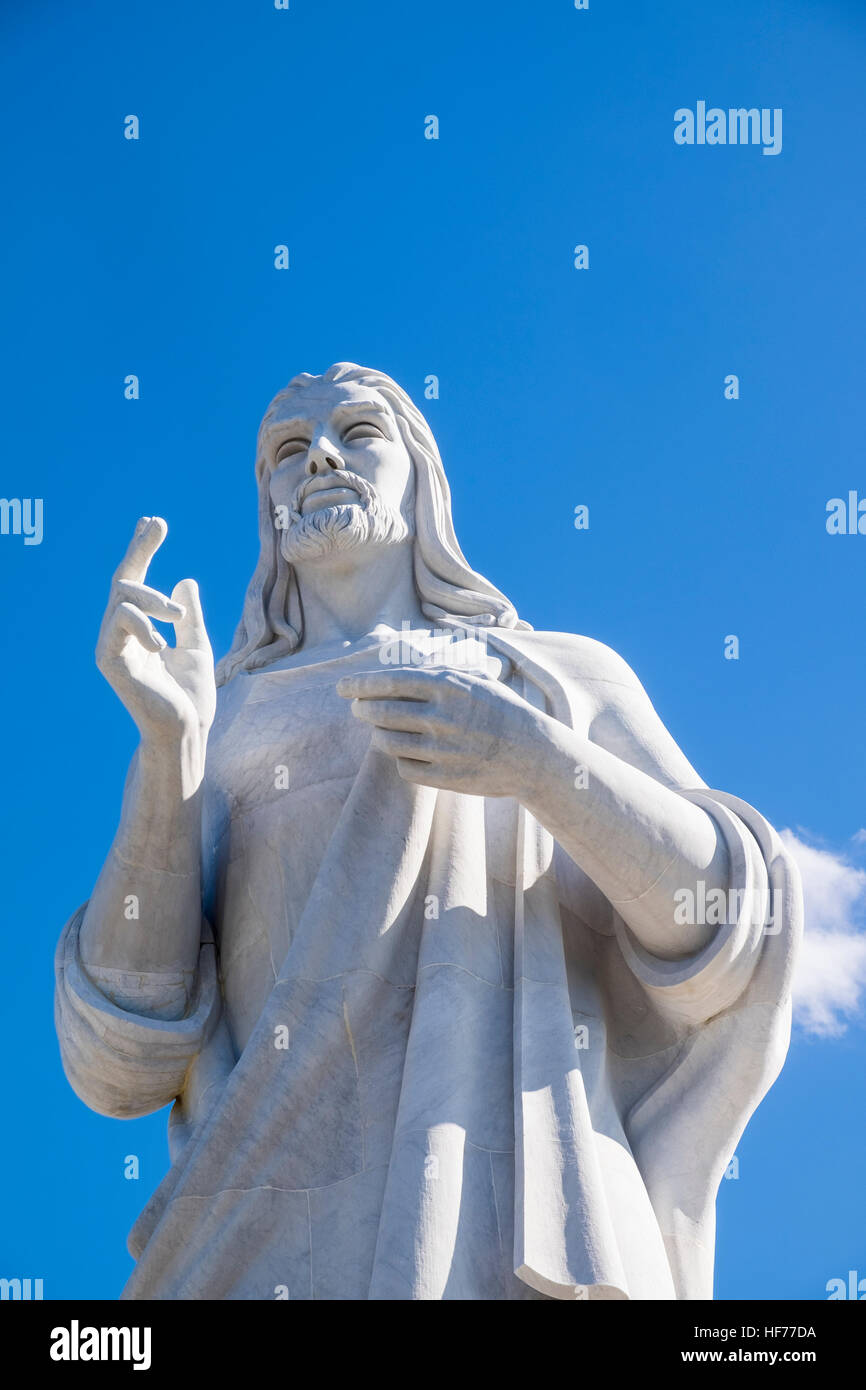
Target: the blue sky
(557, 387)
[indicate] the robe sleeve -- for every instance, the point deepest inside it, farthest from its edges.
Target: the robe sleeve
(119, 1062)
(729, 1003)
(685, 1128)
(698, 986)
(574, 674)
(691, 1045)
(702, 984)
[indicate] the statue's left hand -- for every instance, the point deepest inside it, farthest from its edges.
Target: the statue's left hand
(450, 729)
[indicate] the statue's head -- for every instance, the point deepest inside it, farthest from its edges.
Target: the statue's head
(338, 471)
(346, 460)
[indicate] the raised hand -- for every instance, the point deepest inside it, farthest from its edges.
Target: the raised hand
(169, 691)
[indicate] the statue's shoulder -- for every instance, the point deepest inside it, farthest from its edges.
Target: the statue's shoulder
(575, 658)
(607, 698)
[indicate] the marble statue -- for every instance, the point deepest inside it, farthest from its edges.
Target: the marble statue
(462, 982)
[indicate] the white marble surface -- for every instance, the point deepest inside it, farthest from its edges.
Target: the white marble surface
(441, 1032)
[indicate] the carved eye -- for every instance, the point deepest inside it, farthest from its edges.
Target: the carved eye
(290, 447)
(364, 429)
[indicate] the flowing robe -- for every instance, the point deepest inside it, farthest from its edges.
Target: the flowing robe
(423, 1056)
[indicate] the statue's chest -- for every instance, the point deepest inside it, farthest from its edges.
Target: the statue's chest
(284, 737)
(279, 769)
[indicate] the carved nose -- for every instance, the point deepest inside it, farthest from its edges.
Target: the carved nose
(325, 463)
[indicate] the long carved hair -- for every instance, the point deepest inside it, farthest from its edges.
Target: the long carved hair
(271, 624)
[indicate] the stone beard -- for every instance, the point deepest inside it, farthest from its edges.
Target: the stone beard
(307, 538)
(422, 1000)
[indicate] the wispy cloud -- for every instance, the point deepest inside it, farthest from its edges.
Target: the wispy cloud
(830, 980)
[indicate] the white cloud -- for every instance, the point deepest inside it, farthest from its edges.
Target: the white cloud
(831, 973)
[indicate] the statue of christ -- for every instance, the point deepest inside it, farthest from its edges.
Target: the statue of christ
(394, 916)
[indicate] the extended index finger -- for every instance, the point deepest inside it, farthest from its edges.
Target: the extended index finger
(148, 536)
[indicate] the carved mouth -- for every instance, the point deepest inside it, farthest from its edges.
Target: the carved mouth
(337, 495)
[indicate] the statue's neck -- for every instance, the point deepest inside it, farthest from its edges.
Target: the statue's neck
(346, 597)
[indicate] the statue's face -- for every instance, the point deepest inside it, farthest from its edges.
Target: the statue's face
(341, 469)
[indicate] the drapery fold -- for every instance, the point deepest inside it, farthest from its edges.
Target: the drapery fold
(482, 1095)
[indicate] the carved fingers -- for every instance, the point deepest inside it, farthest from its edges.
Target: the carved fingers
(131, 602)
(444, 728)
(148, 536)
(431, 684)
(189, 626)
(159, 684)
